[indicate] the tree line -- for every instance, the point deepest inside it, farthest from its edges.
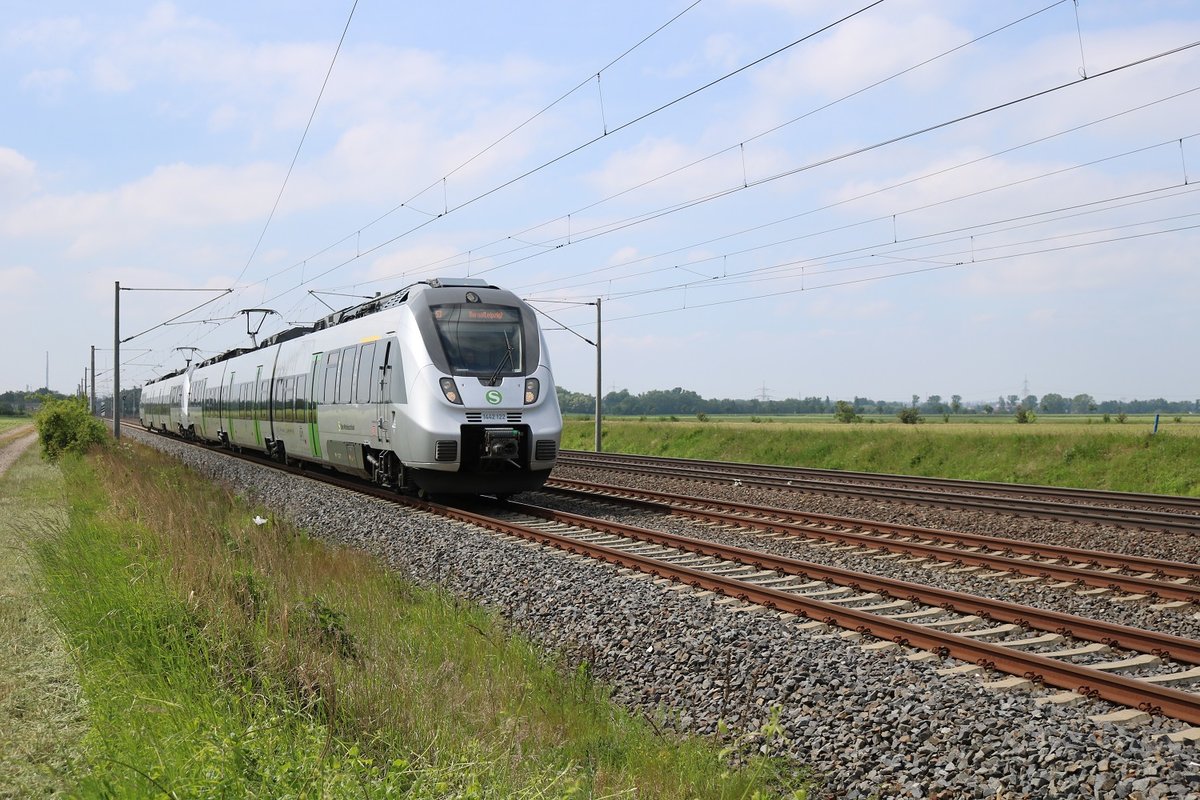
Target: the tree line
(684, 401)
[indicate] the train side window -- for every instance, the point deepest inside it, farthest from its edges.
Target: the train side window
(302, 398)
(346, 375)
(315, 377)
(331, 368)
(377, 363)
(366, 361)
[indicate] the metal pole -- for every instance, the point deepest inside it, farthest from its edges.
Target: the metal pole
(92, 397)
(116, 409)
(598, 381)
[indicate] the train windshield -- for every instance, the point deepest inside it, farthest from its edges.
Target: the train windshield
(480, 339)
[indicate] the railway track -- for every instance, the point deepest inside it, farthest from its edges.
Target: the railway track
(943, 622)
(1034, 646)
(1120, 509)
(1141, 577)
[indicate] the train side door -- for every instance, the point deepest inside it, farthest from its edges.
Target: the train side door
(229, 408)
(382, 388)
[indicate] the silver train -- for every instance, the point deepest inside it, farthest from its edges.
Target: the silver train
(443, 387)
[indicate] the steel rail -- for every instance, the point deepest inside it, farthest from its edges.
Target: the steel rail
(1137, 639)
(928, 543)
(1038, 669)
(1068, 493)
(1099, 515)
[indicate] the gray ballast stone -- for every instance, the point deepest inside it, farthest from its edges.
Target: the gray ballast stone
(870, 726)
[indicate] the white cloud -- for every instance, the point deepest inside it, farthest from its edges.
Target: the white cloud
(17, 174)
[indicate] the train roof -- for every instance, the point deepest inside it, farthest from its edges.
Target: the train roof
(375, 304)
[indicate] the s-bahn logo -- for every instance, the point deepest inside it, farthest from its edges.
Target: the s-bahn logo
(494, 397)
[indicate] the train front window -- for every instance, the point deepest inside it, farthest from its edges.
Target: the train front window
(480, 339)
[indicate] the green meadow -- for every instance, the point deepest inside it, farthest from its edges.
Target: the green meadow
(1066, 450)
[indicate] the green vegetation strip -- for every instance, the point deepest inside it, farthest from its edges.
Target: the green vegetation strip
(223, 658)
(41, 713)
(7, 424)
(1112, 457)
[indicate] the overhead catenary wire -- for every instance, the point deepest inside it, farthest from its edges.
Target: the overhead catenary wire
(858, 223)
(936, 267)
(739, 146)
(576, 149)
(312, 115)
(587, 143)
(739, 187)
(577, 232)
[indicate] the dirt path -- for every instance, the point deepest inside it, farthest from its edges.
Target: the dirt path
(13, 445)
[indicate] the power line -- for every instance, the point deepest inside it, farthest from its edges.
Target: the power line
(879, 218)
(934, 268)
(303, 136)
(584, 145)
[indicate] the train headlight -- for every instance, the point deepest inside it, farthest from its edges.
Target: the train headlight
(451, 391)
(533, 388)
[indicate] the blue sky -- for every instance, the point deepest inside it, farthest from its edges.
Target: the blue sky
(821, 222)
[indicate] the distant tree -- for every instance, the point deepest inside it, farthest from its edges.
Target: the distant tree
(1030, 402)
(1013, 402)
(933, 404)
(1052, 403)
(1001, 406)
(956, 403)
(1082, 404)
(845, 412)
(916, 399)
(989, 409)
(910, 415)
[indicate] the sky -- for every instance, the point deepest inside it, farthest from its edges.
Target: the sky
(769, 198)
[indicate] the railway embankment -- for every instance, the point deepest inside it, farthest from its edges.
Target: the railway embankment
(869, 725)
(221, 656)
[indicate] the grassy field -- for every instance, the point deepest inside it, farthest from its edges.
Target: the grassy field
(1122, 457)
(8, 423)
(219, 658)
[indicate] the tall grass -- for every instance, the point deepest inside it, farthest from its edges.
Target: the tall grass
(220, 658)
(1115, 457)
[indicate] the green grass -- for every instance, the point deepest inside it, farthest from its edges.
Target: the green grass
(8, 423)
(219, 658)
(41, 716)
(1121, 457)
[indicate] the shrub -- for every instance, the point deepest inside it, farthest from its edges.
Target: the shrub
(910, 416)
(845, 412)
(65, 426)
(1025, 415)
(1122, 417)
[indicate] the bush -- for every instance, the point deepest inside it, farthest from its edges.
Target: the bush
(65, 426)
(910, 416)
(845, 412)
(1025, 415)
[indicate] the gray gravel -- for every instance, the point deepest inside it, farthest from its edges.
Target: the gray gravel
(1154, 544)
(869, 725)
(1041, 594)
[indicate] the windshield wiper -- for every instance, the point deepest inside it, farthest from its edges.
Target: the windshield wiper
(508, 359)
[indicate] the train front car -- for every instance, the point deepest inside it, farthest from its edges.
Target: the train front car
(484, 411)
